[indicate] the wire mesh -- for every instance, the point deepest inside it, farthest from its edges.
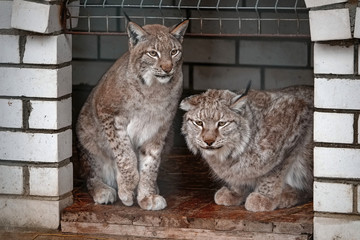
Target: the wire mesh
(207, 17)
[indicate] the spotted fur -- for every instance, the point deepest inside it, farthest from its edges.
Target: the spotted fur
(123, 124)
(259, 145)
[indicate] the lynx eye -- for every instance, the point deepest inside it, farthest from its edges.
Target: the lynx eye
(221, 124)
(152, 54)
(198, 123)
(174, 52)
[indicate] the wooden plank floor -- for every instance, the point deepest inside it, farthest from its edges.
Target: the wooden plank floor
(185, 182)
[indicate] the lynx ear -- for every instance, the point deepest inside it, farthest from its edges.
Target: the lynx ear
(135, 33)
(179, 30)
(187, 103)
(238, 102)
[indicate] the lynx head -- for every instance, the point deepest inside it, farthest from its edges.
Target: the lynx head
(216, 122)
(156, 51)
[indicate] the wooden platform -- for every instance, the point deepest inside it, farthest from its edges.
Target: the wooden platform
(191, 213)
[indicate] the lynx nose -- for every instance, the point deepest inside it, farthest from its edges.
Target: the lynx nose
(166, 67)
(209, 142)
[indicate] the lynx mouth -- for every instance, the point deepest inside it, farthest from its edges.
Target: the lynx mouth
(211, 148)
(163, 76)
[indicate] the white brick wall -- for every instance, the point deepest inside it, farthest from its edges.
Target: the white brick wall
(9, 51)
(333, 197)
(331, 24)
(333, 127)
(337, 93)
(48, 49)
(11, 180)
(336, 228)
(31, 213)
(35, 82)
(317, 3)
(35, 147)
(11, 113)
(50, 114)
(5, 14)
(337, 162)
(357, 24)
(329, 59)
(36, 17)
(51, 181)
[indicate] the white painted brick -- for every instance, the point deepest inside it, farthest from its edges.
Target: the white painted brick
(35, 147)
(11, 180)
(50, 114)
(5, 14)
(358, 130)
(9, 51)
(330, 59)
(31, 213)
(337, 93)
(48, 49)
(331, 24)
(279, 77)
(358, 198)
(333, 197)
(333, 127)
(336, 228)
(209, 50)
(336, 162)
(318, 3)
(51, 181)
(74, 11)
(36, 17)
(33, 82)
(357, 24)
(11, 113)
(276, 53)
(231, 78)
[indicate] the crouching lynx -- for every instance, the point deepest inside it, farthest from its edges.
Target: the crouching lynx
(259, 144)
(124, 122)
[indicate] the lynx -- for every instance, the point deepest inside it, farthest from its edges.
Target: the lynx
(123, 124)
(258, 143)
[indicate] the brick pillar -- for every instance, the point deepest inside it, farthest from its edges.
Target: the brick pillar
(336, 118)
(36, 175)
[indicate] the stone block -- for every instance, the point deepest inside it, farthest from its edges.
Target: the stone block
(357, 24)
(31, 213)
(36, 17)
(54, 49)
(85, 47)
(5, 14)
(337, 162)
(232, 78)
(11, 180)
(280, 77)
(273, 53)
(333, 197)
(331, 24)
(9, 51)
(113, 47)
(89, 72)
(50, 114)
(336, 228)
(332, 59)
(46, 181)
(36, 147)
(35, 82)
(337, 93)
(333, 127)
(11, 113)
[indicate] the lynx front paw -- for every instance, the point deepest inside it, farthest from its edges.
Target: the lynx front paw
(227, 198)
(127, 198)
(257, 202)
(104, 195)
(152, 202)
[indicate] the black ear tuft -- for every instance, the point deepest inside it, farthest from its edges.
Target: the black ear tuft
(239, 101)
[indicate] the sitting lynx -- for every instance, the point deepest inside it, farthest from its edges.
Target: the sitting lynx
(259, 144)
(123, 124)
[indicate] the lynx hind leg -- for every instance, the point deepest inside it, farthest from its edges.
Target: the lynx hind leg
(291, 197)
(226, 197)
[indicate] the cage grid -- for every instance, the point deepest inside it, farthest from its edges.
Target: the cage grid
(279, 18)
